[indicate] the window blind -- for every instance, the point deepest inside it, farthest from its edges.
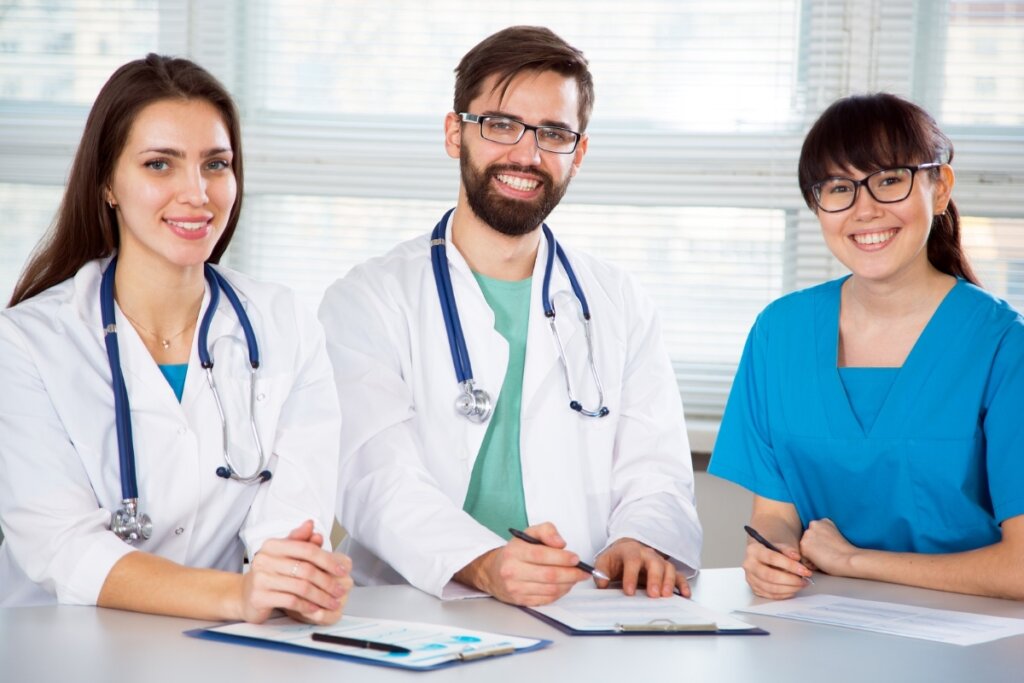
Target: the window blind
(690, 179)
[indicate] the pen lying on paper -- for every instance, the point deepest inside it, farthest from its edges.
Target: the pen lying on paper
(752, 532)
(359, 642)
(579, 565)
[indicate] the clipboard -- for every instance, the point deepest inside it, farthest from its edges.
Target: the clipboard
(433, 646)
(589, 611)
(649, 629)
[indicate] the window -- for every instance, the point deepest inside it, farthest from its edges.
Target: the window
(690, 180)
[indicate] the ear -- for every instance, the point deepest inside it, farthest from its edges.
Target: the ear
(452, 134)
(581, 151)
(108, 197)
(942, 188)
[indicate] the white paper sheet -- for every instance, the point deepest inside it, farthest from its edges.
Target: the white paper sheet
(945, 626)
(587, 608)
(431, 644)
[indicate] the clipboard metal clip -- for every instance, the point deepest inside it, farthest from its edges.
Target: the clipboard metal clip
(665, 626)
(469, 655)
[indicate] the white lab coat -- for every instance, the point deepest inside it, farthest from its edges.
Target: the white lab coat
(59, 472)
(407, 457)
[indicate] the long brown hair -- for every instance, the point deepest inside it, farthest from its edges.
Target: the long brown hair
(871, 132)
(522, 48)
(85, 227)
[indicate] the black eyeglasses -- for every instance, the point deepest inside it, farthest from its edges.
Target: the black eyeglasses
(888, 186)
(506, 131)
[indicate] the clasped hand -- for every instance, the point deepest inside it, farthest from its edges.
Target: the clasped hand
(297, 575)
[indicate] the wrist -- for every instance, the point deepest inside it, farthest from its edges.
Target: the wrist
(475, 574)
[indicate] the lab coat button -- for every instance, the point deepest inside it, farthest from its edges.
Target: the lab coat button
(181, 430)
(179, 531)
(260, 397)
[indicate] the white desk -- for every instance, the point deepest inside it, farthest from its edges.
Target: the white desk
(65, 644)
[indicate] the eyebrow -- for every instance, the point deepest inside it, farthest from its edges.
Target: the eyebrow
(178, 154)
(544, 122)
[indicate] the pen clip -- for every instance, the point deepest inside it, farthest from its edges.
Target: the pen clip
(469, 655)
(665, 625)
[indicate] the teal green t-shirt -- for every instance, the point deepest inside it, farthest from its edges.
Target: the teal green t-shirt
(495, 497)
(175, 375)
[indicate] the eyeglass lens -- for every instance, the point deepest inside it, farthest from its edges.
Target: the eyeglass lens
(509, 132)
(888, 186)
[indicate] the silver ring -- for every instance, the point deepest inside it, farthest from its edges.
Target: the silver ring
(295, 570)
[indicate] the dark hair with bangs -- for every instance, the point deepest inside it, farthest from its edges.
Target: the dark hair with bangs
(86, 227)
(872, 132)
(522, 48)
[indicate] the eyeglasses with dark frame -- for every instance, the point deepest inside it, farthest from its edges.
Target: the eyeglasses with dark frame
(888, 186)
(507, 131)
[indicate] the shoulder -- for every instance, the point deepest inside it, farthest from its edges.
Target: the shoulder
(48, 311)
(987, 308)
(798, 308)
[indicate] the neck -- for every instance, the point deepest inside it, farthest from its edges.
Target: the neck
(900, 296)
(162, 300)
(489, 252)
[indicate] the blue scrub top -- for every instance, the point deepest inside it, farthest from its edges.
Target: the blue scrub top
(938, 467)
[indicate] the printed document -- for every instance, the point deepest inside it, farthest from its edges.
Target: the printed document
(430, 644)
(945, 626)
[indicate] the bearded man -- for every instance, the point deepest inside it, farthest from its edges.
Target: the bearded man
(562, 416)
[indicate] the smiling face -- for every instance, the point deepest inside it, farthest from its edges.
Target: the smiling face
(173, 184)
(513, 188)
(883, 242)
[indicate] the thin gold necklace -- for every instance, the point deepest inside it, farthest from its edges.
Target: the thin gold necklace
(164, 341)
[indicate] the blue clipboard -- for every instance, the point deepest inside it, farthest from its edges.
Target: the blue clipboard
(207, 634)
(654, 629)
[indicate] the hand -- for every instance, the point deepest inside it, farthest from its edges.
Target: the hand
(827, 548)
(773, 575)
(297, 575)
(637, 564)
(521, 573)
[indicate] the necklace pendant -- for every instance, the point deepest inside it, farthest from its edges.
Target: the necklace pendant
(166, 343)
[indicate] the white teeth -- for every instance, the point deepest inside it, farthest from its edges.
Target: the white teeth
(188, 226)
(519, 183)
(874, 237)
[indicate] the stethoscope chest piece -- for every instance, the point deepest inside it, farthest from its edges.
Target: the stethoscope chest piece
(129, 524)
(473, 404)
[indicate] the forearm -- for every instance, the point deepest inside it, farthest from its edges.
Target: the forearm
(776, 521)
(993, 571)
(142, 582)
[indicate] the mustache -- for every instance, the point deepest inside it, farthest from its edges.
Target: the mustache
(542, 175)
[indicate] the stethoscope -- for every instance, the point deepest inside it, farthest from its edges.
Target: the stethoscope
(129, 523)
(475, 404)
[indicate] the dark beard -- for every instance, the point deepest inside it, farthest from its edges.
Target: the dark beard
(508, 216)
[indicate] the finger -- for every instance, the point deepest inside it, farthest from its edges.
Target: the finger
(305, 589)
(778, 560)
(302, 532)
(682, 585)
(542, 554)
(668, 579)
(337, 585)
(547, 534)
(630, 574)
(654, 571)
(332, 563)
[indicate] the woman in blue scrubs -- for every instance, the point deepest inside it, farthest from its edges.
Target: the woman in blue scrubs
(878, 418)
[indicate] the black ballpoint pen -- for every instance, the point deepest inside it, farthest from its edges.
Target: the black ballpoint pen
(752, 532)
(523, 536)
(359, 642)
